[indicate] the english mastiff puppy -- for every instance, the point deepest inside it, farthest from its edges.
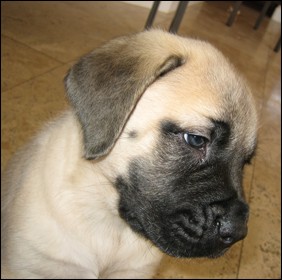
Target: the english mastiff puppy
(148, 160)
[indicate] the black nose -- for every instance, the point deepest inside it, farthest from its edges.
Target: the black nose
(229, 233)
(232, 226)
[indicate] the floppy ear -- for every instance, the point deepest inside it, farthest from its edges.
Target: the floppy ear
(105, 85)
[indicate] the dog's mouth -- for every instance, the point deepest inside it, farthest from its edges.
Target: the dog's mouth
(187, 233)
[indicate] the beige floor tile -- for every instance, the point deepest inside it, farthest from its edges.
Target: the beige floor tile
(21, 63)
(46, 27)
(261, 255)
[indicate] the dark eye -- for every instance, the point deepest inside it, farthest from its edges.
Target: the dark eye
(195, 141)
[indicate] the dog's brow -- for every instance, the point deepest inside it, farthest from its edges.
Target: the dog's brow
(169, 126)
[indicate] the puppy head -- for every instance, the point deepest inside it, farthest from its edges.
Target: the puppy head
(175, 125)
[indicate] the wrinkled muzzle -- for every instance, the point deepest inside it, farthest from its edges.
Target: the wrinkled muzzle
(207, 231)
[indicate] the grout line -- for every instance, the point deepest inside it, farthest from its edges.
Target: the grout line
(34, 77)
(48, 71)
(249, 202)
(28, 46)
(260, 113)
(62, 63)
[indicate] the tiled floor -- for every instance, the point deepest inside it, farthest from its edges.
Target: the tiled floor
(40, 40)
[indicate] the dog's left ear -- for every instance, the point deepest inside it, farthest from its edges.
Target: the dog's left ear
(105, 85)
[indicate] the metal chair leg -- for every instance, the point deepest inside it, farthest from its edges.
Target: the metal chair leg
(233, 14)
(262, 14)
(152, 14)
(178, 16)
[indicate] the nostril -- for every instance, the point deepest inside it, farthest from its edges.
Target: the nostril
(227, 240)
(229, 233)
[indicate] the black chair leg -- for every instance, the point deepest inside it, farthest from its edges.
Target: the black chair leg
(262, 14)
(178, 16)
(152, 14)
(233, 14)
